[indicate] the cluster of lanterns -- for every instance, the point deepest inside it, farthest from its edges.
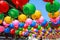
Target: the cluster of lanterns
(31, 21)
(53, 11)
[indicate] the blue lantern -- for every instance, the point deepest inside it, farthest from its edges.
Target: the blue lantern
(33, 23)
(11, 26)
(7, 30)
(44, 23)
(21, 25)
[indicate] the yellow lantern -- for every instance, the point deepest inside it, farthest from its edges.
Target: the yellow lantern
(0, 21)
(22, 18)
(36, 15)
(56, 14)
(32, 29)
(20, 33)
(8, 19)
(41, 28)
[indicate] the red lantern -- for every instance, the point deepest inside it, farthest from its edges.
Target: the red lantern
(19, 3)
(26, 26)
(16, 27)
(12, 31)
(36, 26)
(51, 1)
(4, 7)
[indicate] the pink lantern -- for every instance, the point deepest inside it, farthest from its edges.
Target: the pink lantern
(1, 29)
(15, 22)
(28, 21)
(5, 24)
(40, 20)
(54, 20)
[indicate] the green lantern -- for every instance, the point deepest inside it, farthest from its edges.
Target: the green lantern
(20, 29)
(29, 9)
(52, 7)
(29, 28)
(1, 16)
(17, 32)
(13, 13)
(39, 27)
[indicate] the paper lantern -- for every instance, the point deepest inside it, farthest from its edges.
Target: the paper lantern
(39, 27)
(4, 7)
(17, 32)
(11, 26)
(15, 23)
(12, 31)
(52, 7)
(21, 25)
(2, 29)
(33, 23)
(26, 26)
(44, 23)
(22, 18)
(29, 9)
(13, 13)
(56, 14)
(20, 29)
(29, 28)
(40, 20)
(28, 21)
(36, 15)
(5, 24)
(1, 16)
(8, 19)
(7, 30)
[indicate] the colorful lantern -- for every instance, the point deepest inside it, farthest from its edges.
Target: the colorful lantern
(29, 9)
(22, 18)
(4, 7)
(14, 13)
